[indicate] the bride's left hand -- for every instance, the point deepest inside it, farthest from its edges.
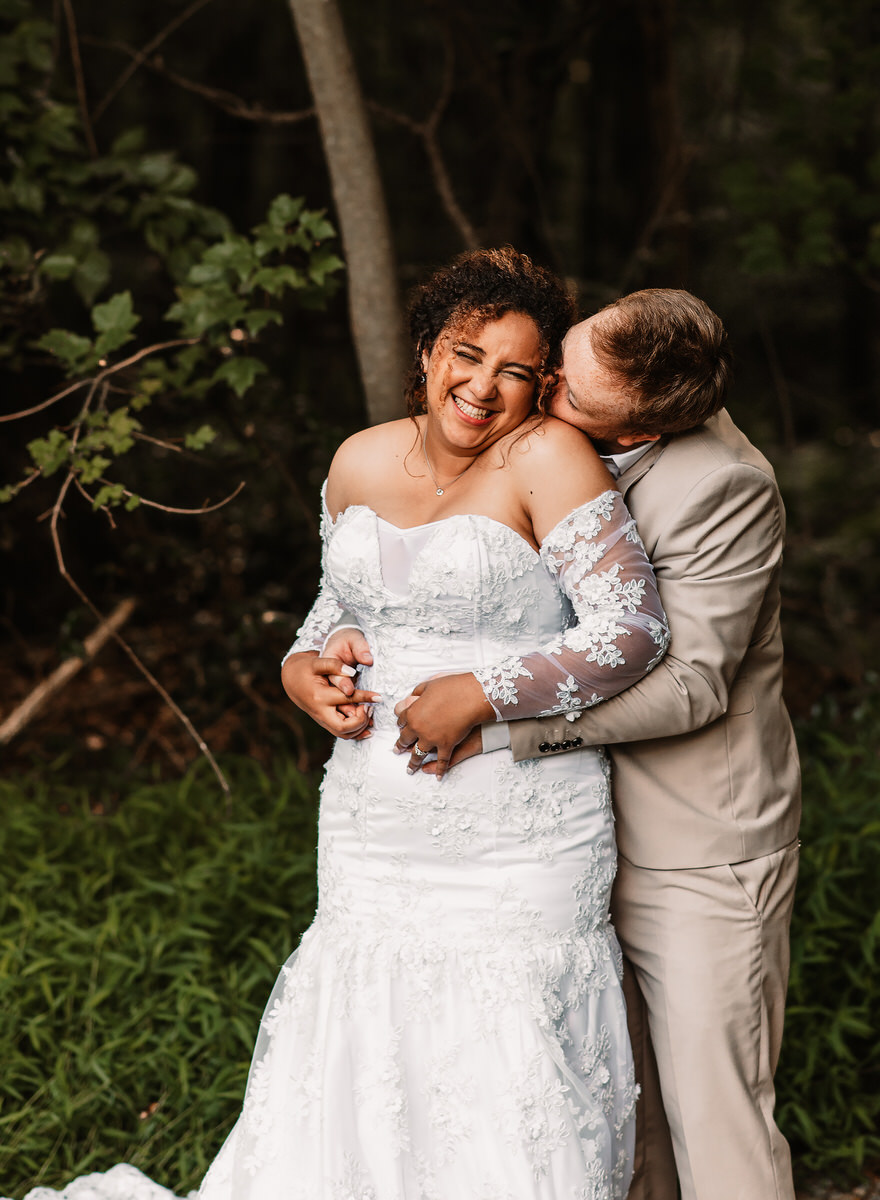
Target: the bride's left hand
(437, 715)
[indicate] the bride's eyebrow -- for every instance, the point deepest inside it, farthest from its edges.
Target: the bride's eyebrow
(479, 350)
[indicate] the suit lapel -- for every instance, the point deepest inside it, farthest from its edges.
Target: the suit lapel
(641, 466)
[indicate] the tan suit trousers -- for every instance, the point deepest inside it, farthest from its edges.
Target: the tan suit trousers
(708, 953)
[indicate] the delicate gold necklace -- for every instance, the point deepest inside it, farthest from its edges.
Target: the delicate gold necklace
(440, 490)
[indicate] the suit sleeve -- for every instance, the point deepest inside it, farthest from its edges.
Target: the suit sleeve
(714, 564)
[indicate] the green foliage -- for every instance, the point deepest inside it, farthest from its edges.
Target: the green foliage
(800, 170)
(829, 1079)
(832, 559)
(138, 946)
(72, 220)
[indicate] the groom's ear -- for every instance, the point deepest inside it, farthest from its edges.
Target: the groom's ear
(637, 439)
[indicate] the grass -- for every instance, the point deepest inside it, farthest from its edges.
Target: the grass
(829, 1077)
(139, 941)
(137, 948)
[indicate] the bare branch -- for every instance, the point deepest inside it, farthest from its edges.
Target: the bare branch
(28, 412)
(232, 104)
(443, 184)
(228, 101)
(122, 643)
(24, 712)
(80, 79)
(675, 174)
(183, 512)
(95, 380)
(91, 501)
(27, 481)
(146, 437)
(426, 131)
(140, 56)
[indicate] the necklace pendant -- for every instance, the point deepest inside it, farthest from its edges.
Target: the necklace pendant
(439, 491)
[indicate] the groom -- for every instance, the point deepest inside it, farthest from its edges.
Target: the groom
(705, 773)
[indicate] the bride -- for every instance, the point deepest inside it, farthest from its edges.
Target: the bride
(452, 1026)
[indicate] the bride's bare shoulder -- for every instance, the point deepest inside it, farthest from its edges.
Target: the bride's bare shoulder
(366, 454)
(553, 441)
(557, 471)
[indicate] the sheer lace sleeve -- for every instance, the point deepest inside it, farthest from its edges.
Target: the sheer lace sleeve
(620, 629)
(328, 608)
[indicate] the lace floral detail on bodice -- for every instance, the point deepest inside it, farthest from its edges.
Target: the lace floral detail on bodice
(592, 588)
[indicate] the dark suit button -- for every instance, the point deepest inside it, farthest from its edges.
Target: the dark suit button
(554, 746)
(544, 747)
(578, 741)
(566, 745)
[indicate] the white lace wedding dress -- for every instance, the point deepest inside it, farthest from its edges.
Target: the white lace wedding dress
(452, 1026)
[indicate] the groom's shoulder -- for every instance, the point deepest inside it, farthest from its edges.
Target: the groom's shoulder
(717, 445)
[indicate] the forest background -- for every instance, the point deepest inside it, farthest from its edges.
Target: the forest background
(177, 322)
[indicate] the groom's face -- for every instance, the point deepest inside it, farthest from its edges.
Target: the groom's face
(591, 398)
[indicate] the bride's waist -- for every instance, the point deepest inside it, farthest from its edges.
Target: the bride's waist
(397, 669)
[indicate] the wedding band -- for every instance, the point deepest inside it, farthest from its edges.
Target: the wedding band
(419, 753)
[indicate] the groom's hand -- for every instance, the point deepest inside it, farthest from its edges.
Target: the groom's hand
(437, 716)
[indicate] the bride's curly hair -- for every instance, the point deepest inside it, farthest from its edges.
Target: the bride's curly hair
(483, 285)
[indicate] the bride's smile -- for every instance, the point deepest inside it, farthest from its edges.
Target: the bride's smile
(480, 384)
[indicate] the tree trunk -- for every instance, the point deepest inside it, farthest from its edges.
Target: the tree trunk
(360, 204)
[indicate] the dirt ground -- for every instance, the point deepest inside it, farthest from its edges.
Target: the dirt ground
(824, 1189)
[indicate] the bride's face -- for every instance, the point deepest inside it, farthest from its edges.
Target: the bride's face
(481, 380)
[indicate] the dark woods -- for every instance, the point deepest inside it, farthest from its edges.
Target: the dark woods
(731, 150)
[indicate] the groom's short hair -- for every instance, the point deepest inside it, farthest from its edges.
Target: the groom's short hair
(670, 352)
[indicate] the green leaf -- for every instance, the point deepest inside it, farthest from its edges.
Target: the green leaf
(202, 437)
(83, 238)
(283, 211)
(316, 225)
(58, 266)
(108, 496)
(72, 349)
(258, 318)
(120, 427)
(16, 255)
(91, 469)
(113, 321)
(130, 141)
(324, 262)
(50, 452)
(239, 373)
(27, 193)
(199, 310)
(92, 275)
(233, 253)
(275, 279)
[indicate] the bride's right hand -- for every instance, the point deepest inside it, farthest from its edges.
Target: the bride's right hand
(309, 682)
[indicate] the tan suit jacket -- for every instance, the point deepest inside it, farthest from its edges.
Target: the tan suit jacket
(705, 766)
